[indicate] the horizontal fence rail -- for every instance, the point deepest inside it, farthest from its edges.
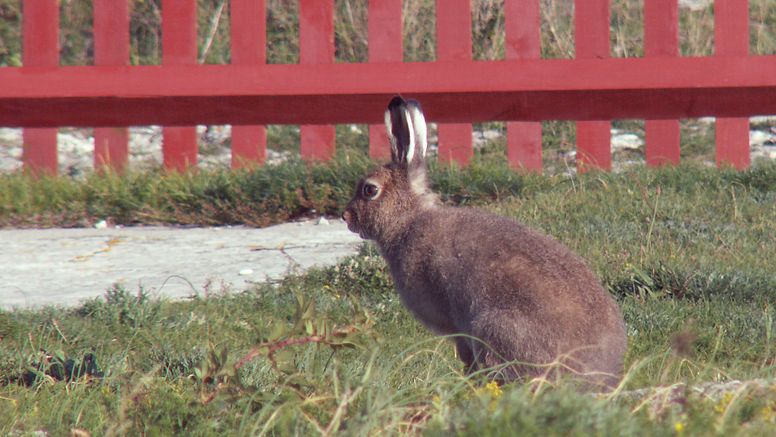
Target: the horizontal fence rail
(522, 89)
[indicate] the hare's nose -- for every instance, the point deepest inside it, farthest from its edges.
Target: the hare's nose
(346, 216)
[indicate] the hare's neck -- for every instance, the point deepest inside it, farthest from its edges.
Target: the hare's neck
(392, 238)
(397, 236)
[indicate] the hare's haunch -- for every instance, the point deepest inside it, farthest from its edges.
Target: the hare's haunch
(521, 301)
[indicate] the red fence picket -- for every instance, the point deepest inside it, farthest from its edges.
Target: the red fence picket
(591, 37)
(316, 47)
(40, 42)
(248, 39)
(454, 44)
(111, 47)
(179, 47)
(731, 38)
(523, 41)
(522, 90)
(385, 45)
(661, 38)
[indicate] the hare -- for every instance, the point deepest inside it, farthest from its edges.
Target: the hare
(521, 302)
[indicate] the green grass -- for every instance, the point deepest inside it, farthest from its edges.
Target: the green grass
(686, 251)
(257, 197)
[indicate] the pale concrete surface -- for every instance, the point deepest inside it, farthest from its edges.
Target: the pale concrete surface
(66, 266)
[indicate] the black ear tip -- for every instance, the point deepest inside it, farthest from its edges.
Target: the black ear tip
(414, 103)
(396, 102)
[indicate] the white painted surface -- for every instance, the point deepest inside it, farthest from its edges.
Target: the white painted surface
(66, 266)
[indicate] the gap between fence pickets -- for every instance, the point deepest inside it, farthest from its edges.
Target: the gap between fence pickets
(75, 146)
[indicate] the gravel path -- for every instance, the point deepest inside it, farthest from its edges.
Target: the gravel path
(66, 266)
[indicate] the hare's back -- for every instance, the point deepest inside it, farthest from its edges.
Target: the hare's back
(481, 239)
(472, 251)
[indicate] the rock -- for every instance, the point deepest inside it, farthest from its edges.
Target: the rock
(626, 141)
(102, 224)
(658, 399)
(76, 151)
(245, 272)
(768, 120)
(761, 138)
(480, 138)
(707, 120)
(766, 152)
(695, 5)
(10, 137)
(10, 149)
(322, 221)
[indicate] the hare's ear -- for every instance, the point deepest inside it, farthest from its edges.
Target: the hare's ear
(419, 131)
(399, 126)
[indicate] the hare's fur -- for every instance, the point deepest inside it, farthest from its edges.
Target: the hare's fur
(515, 295)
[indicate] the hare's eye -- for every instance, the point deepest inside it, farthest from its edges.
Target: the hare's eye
(370, 191)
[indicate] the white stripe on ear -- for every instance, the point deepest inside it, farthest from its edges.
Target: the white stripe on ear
(420, 127)
(389, 131)
(411, 146)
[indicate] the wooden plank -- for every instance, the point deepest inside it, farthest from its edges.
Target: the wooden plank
(379, 145)
(731, 27)
(177, 150)
(522, 26)
(731, 38)
(594, 145)
(525, 90)
(39, 150)
(179, 32)
(249, 145)
(662, 142)
(40, 33)
(111, 148)
(111, 47)
(179, 47)
(248, 39)
(524, 145)
(661, 28)
(248, 32)
(454, 43)
(732, 140)
(40, 46)
(523, 41)
(591, 36)
(661, 38)
(566, 76)
(385, 45)
(316, 47)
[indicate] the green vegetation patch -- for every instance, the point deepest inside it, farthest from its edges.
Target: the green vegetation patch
(686, 251)
(258, 197)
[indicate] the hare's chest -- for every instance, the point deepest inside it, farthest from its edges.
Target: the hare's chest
(426, 302)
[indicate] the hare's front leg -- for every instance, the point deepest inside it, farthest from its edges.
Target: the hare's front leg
(465, 353)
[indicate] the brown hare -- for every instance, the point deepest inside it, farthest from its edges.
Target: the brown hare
(523, 304)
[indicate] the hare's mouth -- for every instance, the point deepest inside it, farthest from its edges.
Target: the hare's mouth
(350, 219)
(354, 228)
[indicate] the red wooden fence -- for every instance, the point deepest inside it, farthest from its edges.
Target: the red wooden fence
(523, 89)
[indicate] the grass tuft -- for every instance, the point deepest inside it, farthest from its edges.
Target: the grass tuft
(686, 252)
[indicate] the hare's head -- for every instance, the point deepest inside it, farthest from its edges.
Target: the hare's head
(389, 196)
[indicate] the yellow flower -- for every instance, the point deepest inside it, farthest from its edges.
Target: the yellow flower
(724, 402)
(493, 389)
(679, 427)
(768, 412)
